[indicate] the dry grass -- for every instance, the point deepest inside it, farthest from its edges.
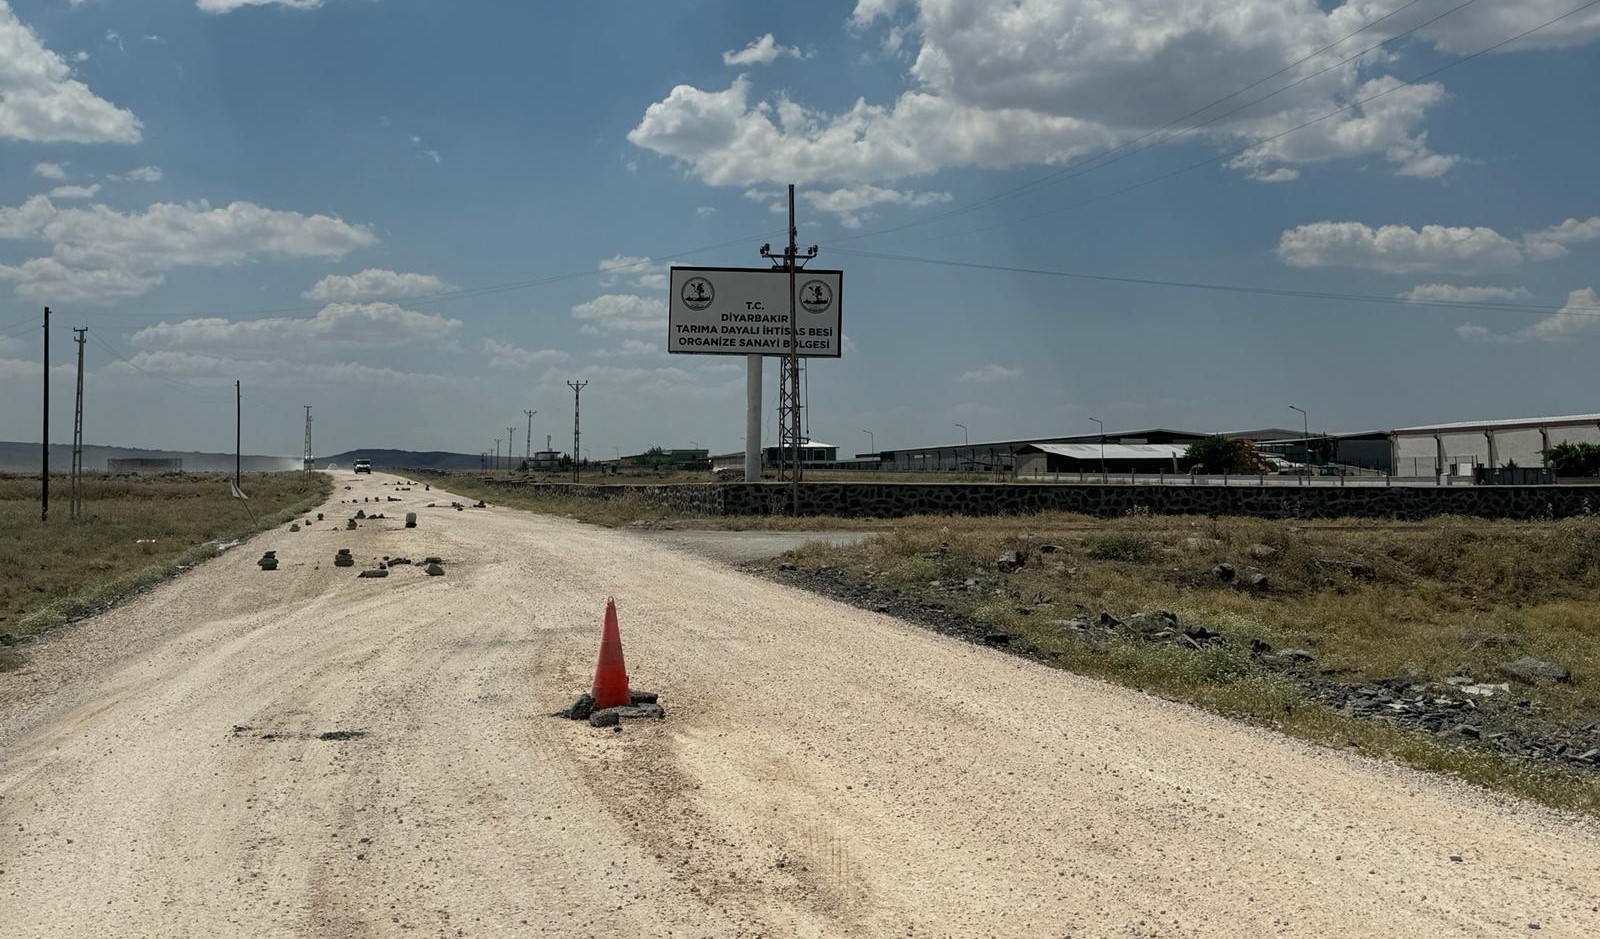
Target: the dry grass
(631, 509)
(135, 533)
(1371, 599)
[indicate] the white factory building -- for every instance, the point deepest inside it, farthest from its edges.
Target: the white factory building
(1458, 446)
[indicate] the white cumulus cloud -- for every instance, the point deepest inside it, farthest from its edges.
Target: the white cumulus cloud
(622, 312)
(50, 170)
(1551, 243)
(75, 192)
(640, 272)
(762, 51)
(729, 141)
(1579, 317)
(277, 373)
(1398, 249)
(988, 374)
(850, 204)
(128, 251)
(1451, 293)
(374, 284)
(507, 355)
(142, 174)
(1047, 81)
(40, 101)
(228, 6)
(338, 325)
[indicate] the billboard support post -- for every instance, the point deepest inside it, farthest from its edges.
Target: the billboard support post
(752, 419)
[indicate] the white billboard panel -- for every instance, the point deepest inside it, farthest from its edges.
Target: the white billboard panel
(745, 311)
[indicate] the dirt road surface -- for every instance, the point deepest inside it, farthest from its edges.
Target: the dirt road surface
(823, 771)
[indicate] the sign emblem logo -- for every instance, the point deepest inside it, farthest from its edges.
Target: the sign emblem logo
(816, 296)
(697, 293)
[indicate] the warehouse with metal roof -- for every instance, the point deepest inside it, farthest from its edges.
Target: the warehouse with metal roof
(1454, 448)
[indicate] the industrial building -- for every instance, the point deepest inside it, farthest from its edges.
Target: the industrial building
(1457, 448)
(1001, 455)
(811, 451)
(664, 459)
(1042, 459)
(1364, 450)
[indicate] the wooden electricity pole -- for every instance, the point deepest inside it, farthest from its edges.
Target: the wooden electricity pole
(44, 435)
(78, 333)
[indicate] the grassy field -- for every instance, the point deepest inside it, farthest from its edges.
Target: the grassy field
(632, 510)
(1372, 600)
(135, 533)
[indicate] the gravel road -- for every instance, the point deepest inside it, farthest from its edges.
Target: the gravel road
(823, 771)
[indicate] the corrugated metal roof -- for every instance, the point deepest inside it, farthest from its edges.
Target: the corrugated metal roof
(1034, 441)
(1571, 419)
(1113, 451)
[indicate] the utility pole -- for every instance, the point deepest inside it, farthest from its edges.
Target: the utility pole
(527, 440)
(1102, 426)
(511, 446)
(496, 464)
(44, 435)
(77, 430)
(238, 431)
(790, 406)
(577, 429)
(305, 465)
(1305, 442)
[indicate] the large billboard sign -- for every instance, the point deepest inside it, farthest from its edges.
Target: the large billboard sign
(745, 311)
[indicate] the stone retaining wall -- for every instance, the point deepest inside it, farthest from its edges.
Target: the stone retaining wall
(893, 500)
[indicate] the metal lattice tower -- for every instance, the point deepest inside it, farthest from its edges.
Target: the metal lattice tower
(577, 429)
(527, 443)
(791, 398)
(306, 460)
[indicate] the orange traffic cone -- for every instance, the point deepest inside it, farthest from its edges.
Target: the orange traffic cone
(611, 674)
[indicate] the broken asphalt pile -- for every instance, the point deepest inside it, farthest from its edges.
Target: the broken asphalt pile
(641, 704)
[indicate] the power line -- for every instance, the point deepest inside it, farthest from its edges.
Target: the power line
(1255, 144)
(1230, 288)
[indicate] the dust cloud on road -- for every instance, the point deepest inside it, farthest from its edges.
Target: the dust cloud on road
(305, 753)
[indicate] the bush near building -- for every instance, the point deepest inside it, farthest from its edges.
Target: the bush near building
(1221, 455)
(1573, 459)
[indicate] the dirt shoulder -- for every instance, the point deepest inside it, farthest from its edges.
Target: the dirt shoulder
(1279, 633)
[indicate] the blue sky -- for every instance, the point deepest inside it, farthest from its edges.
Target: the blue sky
(307, 196)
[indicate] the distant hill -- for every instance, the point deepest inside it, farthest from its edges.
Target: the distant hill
(24, 458)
